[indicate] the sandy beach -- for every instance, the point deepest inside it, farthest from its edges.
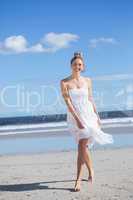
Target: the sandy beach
(52, 175)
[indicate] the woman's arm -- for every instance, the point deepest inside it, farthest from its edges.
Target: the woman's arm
(67, 99)
(90, 97)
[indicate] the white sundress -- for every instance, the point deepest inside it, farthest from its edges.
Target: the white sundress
(84, 108)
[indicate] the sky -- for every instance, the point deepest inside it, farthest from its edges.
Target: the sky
(38, 39)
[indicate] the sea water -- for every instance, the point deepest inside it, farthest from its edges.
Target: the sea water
(56, 143)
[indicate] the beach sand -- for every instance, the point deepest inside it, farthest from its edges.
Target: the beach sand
(51, 176)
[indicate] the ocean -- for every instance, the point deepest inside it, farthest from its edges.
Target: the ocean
(54, 136)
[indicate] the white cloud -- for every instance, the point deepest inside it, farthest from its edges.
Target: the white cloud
(58, 41)
(51, 42)
(14, 44)
(95, 41)
(37, 48)
(114, 77)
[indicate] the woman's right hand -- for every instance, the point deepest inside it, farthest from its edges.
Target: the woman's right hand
(79, 124)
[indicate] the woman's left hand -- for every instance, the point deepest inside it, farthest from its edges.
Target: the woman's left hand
(99, 122)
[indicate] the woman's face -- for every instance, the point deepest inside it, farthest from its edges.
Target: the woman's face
(77, 65)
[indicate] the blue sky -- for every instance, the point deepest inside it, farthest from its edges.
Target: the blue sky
(38, 38)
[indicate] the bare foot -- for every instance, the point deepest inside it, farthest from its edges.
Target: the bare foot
(91, 176)
(77, 185)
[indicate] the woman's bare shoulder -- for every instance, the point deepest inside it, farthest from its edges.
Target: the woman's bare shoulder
(88, 79)
(65, 80)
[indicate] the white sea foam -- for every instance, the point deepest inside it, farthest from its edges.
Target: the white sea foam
(52, 127)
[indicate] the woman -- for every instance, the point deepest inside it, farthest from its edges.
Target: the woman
(82, 117)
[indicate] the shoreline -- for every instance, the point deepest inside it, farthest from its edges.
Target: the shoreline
(49, 152)
(44, 130)
(58, 141)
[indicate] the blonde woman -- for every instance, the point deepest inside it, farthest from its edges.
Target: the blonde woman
(82, 117)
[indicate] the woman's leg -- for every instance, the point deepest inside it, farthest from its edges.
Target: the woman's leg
(80, 163)
(87, 156)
